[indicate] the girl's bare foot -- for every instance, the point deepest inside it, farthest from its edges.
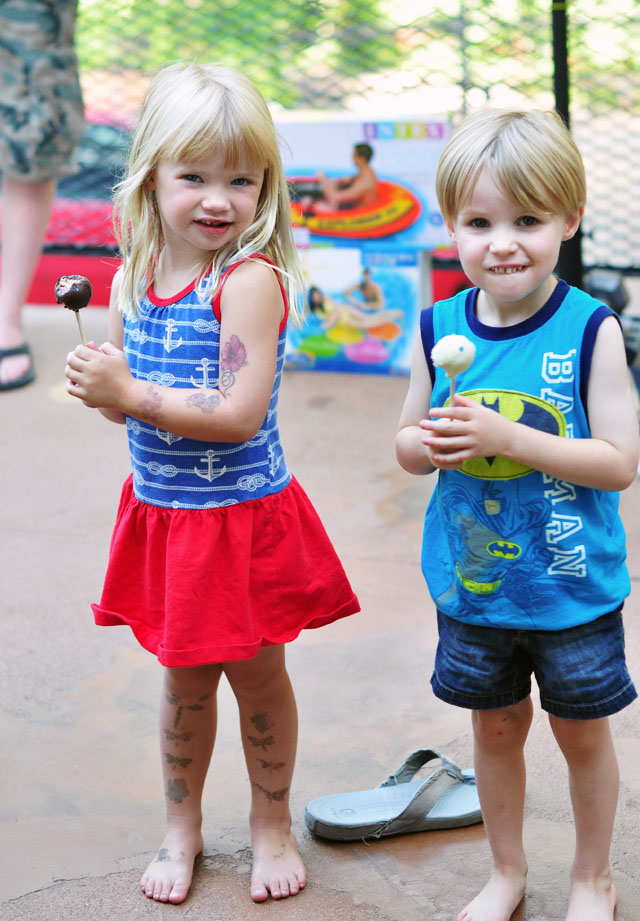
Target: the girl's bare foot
(277, 866)
(499, 898)
(168, 876)
(594, 900)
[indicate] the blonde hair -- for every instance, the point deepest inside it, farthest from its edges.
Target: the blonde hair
(530, 154)
(188, 112)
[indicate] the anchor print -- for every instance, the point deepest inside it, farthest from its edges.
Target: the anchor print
(205, 364)
(168, 342)
(210, 474)
(169, 437)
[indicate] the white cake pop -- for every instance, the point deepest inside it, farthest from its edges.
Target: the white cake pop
(454, 354)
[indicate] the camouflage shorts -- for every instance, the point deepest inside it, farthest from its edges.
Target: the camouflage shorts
(41, 111)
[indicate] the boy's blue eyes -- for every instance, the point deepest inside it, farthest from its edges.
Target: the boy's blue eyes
(528, 220)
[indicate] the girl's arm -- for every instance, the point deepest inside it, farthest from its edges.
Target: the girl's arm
(252, 309)
(607, 460)
(411, 449)
(116, 336)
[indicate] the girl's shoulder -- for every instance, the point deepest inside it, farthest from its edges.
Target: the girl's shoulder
(254, 279)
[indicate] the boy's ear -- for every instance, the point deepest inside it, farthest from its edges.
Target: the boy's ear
(450, 231)
(573, 222)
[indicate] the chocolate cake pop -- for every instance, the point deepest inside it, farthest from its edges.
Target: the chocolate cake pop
(74, 292)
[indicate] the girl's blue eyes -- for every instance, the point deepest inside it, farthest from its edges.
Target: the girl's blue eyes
(191, 177)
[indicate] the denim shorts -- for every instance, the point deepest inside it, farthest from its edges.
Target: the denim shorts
(580, 671)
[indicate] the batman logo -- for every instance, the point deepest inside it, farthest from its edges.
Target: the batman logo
(505, 549)
(518, 407)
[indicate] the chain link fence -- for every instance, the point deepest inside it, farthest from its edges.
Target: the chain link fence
(373, 59)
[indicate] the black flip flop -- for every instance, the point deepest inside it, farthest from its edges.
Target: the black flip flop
(28, 375)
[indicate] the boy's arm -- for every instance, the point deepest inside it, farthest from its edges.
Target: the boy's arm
(411, 451)
(607, 460)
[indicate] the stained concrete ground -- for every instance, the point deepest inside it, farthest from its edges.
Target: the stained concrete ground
(81, 804)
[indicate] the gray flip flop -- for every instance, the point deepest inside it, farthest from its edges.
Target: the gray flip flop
(446, 799)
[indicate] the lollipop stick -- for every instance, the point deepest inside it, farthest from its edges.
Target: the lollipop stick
(84, 341)
(453, 390)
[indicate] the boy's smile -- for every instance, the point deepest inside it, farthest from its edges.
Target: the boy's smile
(507, 251)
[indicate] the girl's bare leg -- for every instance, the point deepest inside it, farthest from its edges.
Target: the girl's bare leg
(187, 734)
(269, 726)
(499, 737)
(593, 782)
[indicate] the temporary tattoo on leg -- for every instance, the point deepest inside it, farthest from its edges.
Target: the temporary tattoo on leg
(262, 743)
(175, 762)
(232, 357)
(270, 766)
(178, 736)
(150, 407)
(163, 855)
(262, 722)
(177, 790)
(206, 404)
(273, 795)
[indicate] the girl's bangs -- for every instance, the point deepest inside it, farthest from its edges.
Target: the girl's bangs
(197, 138)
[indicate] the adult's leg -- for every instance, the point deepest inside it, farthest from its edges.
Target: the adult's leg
(593, 783)
(499, 737)
(187, 732)
(269, 727)
(26, 207)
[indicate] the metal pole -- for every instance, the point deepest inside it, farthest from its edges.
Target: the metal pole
(570, 262)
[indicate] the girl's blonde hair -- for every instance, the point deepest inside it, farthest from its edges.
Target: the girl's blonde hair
(190, 111)
(530, 154)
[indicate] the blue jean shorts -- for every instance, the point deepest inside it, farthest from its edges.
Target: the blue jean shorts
(580, 671)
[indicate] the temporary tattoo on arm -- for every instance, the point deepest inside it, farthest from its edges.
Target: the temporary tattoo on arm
(273, 795)
(150, 407)
(270, 766)
(262, 743)
(232, 357)
(175, 762)
(177, 790)
(261, 722)
(205, 404)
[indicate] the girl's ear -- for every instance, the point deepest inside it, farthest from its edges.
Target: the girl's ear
(150, 182)
(573, 222)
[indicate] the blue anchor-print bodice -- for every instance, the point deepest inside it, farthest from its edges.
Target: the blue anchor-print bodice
(177, 344)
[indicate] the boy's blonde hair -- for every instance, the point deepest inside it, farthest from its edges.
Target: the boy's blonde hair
(530, 154)
(190, 111)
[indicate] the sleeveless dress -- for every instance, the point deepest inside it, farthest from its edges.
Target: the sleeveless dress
(216, 551)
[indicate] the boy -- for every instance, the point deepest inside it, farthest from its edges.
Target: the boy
(523, 548)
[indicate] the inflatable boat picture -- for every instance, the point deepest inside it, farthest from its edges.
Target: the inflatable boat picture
(394, 209)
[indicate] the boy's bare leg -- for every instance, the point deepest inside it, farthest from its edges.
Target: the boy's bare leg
(187, 734)
(593, 782)
(269, 726)
(499, 737)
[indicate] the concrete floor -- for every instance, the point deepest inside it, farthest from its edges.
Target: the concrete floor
(81, 810)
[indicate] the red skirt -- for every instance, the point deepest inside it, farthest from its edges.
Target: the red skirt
(199, 586)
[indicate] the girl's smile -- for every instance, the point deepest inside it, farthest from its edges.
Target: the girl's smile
(204, 205)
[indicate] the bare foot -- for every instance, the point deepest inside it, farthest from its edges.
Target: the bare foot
(168, 876)
(277, 866)
(499, 898)
(592, 901)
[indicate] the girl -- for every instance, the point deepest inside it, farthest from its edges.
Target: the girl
(217, 558)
